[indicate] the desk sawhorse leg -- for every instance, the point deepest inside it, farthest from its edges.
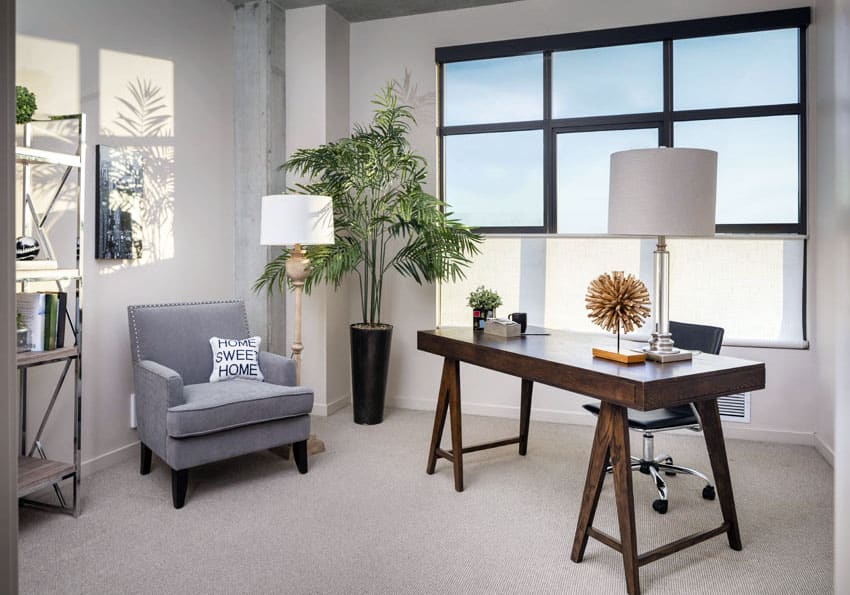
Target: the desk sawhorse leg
(611, 442)
(448, 402)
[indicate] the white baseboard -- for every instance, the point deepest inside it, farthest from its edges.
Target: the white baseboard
(108, 459)
(326, 409)
(824, 449)
(581, 418)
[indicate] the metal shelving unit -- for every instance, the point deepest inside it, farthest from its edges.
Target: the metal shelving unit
(35, 470)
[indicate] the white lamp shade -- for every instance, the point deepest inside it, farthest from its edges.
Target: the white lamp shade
(289, 219)
(663, 192)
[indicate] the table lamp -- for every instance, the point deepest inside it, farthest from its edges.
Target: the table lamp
(296, 220)
(663, 192)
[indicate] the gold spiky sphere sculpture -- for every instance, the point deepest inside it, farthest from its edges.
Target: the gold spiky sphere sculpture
(616, 301)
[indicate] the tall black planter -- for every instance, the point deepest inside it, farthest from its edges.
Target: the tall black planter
(370, 362)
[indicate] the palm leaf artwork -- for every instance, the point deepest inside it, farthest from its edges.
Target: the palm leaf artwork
(384, 219)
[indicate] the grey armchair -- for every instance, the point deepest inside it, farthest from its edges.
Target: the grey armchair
(188, 421)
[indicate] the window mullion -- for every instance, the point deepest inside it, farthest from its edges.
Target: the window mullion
(666, 133)
(550, 212)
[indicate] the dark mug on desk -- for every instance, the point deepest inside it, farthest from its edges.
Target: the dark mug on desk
(521, 318)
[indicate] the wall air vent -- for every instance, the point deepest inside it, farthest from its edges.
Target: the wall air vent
(735, 407)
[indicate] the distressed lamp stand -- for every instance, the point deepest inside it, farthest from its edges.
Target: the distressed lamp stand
(663, 192)
(293, 220)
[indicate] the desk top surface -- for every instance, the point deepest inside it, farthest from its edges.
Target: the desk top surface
(564, 360)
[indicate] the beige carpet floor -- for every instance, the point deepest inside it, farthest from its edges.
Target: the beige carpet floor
(367, 519)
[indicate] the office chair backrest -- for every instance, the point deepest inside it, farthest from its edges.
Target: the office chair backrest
(697, 337)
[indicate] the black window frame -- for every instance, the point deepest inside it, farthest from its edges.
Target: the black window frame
(666, 33)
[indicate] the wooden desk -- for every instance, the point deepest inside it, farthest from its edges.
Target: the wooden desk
(564, 360)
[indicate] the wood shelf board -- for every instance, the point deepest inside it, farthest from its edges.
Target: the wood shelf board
(34, 474)
(25, 359)
(28, 155)
(46, 274)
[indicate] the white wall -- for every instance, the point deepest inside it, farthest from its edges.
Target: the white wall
(317, 113)
(787, 410)
(832, 259)
(79, 56)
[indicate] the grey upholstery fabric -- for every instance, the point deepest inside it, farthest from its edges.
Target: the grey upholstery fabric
(184, 453)
(277, 369)
(172, 364)
(178, 335)
(157, 389)
(217, 406)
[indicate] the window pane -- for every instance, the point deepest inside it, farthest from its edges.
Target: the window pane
(758, 68)
(584, 164)
(495, 179)
(757, 166)
(494, 90)
(625, 79)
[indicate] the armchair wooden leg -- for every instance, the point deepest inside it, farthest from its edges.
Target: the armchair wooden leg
(179, 483)
(299, 453)
(145, 463)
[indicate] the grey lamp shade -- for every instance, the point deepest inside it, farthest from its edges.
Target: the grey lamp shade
(663, 192)
(289, 219)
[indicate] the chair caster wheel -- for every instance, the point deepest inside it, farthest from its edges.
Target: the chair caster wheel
(660, 506)
(708, 492)
(670, 473)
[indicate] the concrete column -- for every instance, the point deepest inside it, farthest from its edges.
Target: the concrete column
(9, 408)
(259, 141)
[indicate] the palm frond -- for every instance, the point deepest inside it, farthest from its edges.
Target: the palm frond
(383, 217)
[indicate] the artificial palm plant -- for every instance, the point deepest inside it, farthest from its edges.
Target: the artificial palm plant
(384, 219)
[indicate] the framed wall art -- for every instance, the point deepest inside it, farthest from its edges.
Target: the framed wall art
(120, 193)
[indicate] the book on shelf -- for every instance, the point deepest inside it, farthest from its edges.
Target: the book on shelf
(44, 316)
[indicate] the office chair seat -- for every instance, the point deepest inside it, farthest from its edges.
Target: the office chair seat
(657, 419)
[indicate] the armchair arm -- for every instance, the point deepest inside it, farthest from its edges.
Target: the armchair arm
(277, 369)
(158, 383)
(157, 389)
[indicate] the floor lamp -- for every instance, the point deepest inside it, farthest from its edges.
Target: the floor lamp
(665, 193)
(297, 220)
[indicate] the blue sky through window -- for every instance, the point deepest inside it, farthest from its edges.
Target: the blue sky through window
(495, 179)
(494, 90)
(757, 162)
(757, 68)
(584, 166)
(625, 79)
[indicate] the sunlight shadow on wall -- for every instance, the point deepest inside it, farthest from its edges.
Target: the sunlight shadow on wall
(51, 69)
(137, 114)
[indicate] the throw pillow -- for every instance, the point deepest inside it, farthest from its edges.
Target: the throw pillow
(234, 358)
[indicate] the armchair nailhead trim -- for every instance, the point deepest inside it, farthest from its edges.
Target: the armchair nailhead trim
(132, 312)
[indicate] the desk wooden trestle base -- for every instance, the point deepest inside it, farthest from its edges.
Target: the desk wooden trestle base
(702, 381)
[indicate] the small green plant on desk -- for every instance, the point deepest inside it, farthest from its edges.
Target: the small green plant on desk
(483, 302)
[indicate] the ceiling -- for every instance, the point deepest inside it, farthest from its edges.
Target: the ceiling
(368, 10)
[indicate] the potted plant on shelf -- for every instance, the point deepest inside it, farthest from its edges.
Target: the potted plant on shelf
(483, 302)
(384, 220)
(25, 104)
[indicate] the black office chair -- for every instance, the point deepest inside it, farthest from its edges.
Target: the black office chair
(695, 337)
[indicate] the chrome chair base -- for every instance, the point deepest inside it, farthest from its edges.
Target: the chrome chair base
(654, 466)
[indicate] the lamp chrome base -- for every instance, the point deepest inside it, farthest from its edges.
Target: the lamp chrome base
(676, 355)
